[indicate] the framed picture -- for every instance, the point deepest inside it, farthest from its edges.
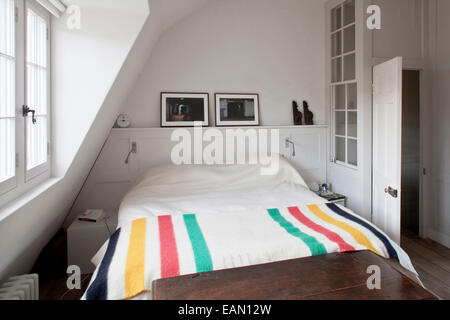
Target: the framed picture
(184, 109)
(237, 109)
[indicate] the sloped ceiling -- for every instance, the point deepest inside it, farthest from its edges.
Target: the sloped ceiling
(173, 11)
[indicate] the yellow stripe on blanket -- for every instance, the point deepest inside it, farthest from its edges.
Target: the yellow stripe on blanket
(134, 269)
(356, 234)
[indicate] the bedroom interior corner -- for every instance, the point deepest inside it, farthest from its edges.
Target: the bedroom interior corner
(159, 120)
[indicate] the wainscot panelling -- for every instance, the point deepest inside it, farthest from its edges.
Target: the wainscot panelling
(111, 178)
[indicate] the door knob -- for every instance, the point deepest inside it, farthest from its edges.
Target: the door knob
(392, 192)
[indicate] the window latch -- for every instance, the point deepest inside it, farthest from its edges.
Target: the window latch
(26, 110)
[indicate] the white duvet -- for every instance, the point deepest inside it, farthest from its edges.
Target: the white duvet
(169, 190)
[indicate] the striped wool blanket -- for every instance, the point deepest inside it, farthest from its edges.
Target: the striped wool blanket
(168, 246)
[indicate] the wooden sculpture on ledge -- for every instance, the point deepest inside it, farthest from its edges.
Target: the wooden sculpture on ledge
(309, 116)
(298, 116)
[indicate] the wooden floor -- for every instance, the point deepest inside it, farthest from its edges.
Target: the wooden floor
(432, 262)
(56, 289)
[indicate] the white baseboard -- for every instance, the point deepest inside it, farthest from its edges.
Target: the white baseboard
(439, 237)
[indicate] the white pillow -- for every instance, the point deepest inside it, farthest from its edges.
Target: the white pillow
(200, 178)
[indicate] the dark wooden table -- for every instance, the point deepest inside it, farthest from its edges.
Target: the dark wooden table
(333, 276)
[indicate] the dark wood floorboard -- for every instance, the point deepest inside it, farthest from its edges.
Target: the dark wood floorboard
(56, 289)
(432, 262)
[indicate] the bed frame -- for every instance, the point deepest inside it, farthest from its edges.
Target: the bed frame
(329, 277)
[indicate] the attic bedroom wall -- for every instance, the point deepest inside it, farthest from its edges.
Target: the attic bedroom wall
(83, 77)
(274, 48)
(84, 112)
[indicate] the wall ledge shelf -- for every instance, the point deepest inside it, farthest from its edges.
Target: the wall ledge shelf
(116, 130)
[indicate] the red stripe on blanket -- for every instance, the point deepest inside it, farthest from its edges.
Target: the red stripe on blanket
(170, 266)
(343, 246)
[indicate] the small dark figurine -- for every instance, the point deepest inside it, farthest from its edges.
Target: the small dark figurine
(298, 116)
(309, 116)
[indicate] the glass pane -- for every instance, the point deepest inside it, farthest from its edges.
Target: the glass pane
(7, 87)
(352, 96)
(339, 96)
(352, 117)
(336, 18)
(336, 70)
(36, 142)
(349, 39)
(349, 67)
(336, 44)
(349, 12)
(340, 149)
(7, 25)
(7, 149)
(37, 89)
(36, 39)
(340, 123)
(352, 152)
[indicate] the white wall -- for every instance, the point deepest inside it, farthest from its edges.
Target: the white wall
(439, 229)
(274, 48)
(86, 63)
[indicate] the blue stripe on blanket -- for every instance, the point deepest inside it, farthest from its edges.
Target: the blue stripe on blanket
(387, 243)
(99, 288)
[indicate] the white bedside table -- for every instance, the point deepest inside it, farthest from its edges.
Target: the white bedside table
(84, 239)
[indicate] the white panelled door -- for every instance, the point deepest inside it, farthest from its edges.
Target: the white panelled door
(387, 146)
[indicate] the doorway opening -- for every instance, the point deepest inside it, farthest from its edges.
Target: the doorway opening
(411, 153)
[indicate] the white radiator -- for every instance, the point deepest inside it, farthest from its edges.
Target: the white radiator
(21, 288)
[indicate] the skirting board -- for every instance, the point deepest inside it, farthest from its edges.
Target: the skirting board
(439, 237)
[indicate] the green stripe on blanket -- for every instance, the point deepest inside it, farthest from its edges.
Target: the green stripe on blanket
(203, 260)
(315, 246)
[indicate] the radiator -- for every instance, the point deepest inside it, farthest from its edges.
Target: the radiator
(24, 287)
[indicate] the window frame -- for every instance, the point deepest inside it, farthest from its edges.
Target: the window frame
(44, 167)
(11, 183)
(333, 85)
(25, 180)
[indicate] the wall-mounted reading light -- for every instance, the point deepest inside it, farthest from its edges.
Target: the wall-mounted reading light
(132, 151)
(288, 144)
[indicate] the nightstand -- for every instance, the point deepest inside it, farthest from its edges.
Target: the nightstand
(84, 239)
(334, 198)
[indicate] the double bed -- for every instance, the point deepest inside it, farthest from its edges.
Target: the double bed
(183, 220)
